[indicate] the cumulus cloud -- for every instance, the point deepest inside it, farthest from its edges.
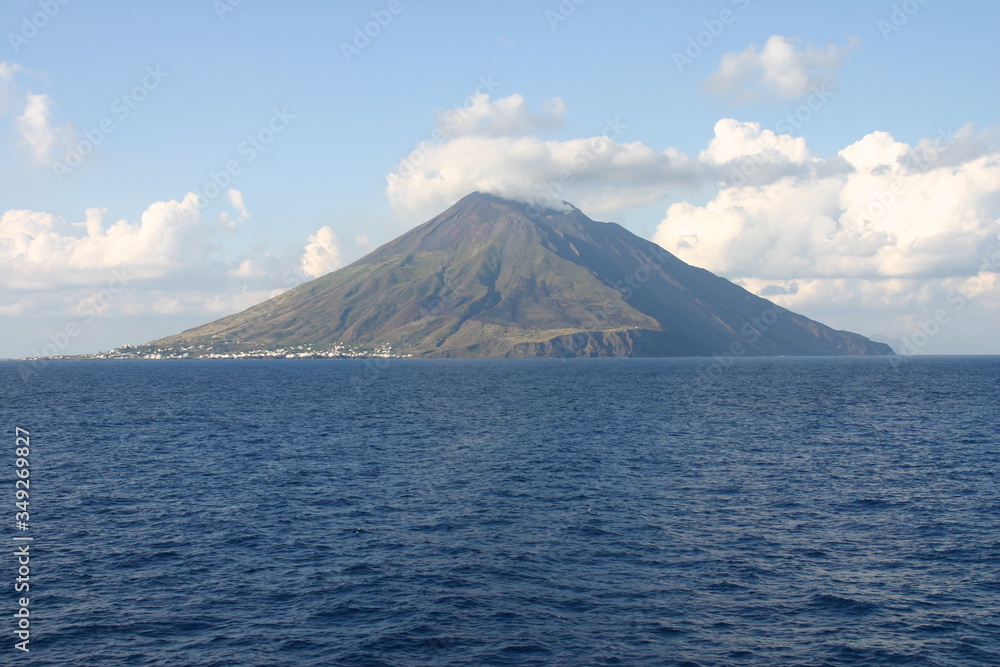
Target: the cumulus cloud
(483, 146)
(228, 221)
(43, 251)
(171, 246)
(734, 140)
(36, 128)
(932, 316)
(884, 217)
(505, 117)
(169, 260)
(38, 132)
(94, 274)
(322, 254)
(164, 267)
(777, 70)
(881, 227)
(601, 173)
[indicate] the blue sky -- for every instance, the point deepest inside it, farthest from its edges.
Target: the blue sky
(112, 114)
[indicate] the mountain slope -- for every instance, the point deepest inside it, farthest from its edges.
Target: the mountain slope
(494, 278)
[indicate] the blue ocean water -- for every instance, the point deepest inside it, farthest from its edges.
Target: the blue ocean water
(529, 512)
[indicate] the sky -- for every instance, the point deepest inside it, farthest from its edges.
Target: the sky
(167, 164)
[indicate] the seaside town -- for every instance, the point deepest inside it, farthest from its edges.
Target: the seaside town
(228, 351)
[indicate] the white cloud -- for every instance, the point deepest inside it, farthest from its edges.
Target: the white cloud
(38, 134)
(7, 71)
(236, 199)
(883, 230)
(163, 268)
(960, 312)
(263, 270)
(37, 131)
(600, 173)
(734, 140)
(505, 117)
(776, 70)
(41, 251)
(362, 242)
(227, 221)
(322, 254)
(883, 218)
(248, 269)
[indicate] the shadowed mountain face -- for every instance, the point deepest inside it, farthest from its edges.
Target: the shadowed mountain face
(496, 278)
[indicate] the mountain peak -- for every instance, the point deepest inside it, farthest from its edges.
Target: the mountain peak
(478, 218)
(493, 277)
(530, 209)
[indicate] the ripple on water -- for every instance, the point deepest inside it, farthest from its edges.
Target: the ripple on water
(797, 511)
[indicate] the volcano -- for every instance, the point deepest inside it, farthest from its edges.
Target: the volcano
(490, 277)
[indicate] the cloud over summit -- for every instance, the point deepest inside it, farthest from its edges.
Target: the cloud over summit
(493, 148)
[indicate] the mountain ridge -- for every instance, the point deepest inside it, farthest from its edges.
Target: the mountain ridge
(490, 277)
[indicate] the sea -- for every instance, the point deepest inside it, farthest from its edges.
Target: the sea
(721, 511)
